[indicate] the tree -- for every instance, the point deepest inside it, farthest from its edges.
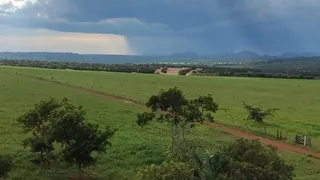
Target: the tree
(259, 115)
(88, 139)
(245, 159)
(167, 171)
(184, 72)
(5, 166)
(64, 123)
(164, 70)
(207, 105)
(39, 122)
(177, 111)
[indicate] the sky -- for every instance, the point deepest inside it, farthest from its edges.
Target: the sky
(158, 27)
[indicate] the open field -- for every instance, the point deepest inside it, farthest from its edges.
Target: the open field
(132, 148)
(298, 100)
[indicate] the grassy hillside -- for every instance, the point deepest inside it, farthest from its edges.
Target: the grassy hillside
(298, 100)
(132, 148)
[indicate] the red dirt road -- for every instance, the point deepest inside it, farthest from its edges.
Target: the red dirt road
(233, 131)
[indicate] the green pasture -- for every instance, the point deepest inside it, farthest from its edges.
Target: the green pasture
(134, 148)
(298, 100)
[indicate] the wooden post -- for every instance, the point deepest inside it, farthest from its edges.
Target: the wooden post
(305, 140)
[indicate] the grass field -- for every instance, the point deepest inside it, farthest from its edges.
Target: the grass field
(298, 100)
(134, 148)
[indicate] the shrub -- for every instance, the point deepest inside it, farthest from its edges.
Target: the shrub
(5, 166)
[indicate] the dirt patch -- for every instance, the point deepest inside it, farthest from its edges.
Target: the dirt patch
(170, 71)
(235, 132)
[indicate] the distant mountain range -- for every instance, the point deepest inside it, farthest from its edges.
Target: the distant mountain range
(120, 59)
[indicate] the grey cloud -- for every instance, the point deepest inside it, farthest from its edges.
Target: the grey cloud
(212, 25)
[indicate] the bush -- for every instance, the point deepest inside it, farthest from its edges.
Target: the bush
(167, 171)
(5, 166)
(246, 159)
(184, 72)
(164, 70)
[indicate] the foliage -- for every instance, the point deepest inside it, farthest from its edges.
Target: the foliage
(127, 68)
(256, 72)
(64, 123)
(39, 122)
(257, 114)
(207, 105)
(184, 71)
(39, 144)
(144, 118)
(164, 70)
(5, 166)
(245, 159)
(87, 138)
(177, 111)
(167, 171)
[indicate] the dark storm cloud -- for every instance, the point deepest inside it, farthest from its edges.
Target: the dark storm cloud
(222, 25)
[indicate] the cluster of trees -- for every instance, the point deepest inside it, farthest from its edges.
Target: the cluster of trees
(53, 124)
(250, 72)
(241, 160)
(127, 68)
(184, 72)
(297, 65)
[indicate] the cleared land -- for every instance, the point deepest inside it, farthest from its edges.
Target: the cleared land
(132, 148)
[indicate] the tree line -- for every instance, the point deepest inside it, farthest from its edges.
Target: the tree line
(252, 72)
(205, 70)
(126, 68)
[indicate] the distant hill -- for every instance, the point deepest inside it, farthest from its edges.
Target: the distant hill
(242, 56)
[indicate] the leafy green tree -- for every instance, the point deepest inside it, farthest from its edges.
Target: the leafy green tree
(88, 139)
(207, 106)
(172, 107)
(64, 123)
(245, 159)
(39, 122)
(78, 138)
(258, 114)
(167, 171)
(5, 166)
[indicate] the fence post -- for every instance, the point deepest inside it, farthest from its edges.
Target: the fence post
(305, 140)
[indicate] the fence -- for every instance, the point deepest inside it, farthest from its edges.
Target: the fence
(306, 141)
